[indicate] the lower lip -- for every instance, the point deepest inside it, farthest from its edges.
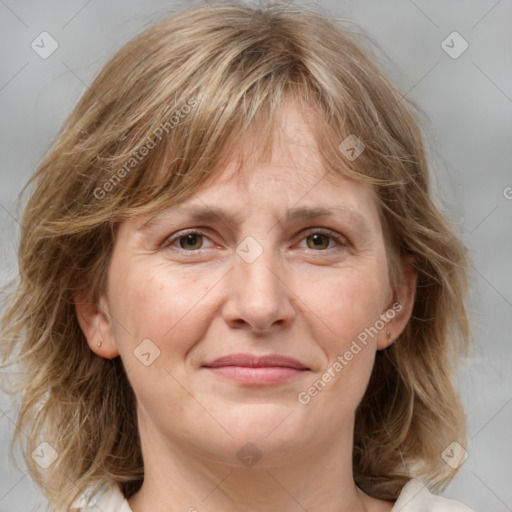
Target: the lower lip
(257, 376)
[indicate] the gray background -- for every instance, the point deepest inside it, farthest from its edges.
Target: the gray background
(468, 111)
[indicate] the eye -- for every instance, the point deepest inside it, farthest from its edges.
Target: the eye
(190, 241)
(318, 240)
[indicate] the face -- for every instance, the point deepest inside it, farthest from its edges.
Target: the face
(259, 278)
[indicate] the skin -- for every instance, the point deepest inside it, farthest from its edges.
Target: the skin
(296, 298)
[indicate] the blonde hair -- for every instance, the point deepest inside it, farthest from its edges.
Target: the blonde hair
(196, 85)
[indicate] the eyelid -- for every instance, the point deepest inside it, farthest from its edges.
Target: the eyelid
(341, 241)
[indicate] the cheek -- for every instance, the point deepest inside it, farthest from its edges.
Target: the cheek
(154, 303)
(345, 312)
(347, 304)
(335, 391)
(154, 327)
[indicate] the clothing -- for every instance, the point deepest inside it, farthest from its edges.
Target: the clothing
(414, 497)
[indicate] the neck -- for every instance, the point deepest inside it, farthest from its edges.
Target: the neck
(178, 478)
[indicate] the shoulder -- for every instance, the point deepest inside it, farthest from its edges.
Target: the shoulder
(111, 500)
(415, 497)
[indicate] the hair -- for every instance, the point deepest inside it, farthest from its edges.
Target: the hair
(167, 109)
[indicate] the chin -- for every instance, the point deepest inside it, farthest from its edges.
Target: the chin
(272, 434)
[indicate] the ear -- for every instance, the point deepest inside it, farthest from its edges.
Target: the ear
(399, 309)
(95, 322)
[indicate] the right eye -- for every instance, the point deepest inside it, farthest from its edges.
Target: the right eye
(188, 240)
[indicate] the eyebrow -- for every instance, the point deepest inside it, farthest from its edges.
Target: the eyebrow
(211, 213)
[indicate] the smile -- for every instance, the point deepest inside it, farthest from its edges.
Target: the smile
(256, 370)
(257, 376)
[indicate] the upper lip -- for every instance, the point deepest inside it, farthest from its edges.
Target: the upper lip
(254, 361)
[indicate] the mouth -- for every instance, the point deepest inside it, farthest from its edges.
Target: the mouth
(254, 370)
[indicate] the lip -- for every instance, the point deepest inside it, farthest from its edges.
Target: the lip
(257, 370)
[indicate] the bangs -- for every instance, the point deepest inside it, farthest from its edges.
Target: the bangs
(203, 107)
(238, 126)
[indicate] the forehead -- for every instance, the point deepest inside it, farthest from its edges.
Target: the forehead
(291, 158)
(291, 176)
(292, 188)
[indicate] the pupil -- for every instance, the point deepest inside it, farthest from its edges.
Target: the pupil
(317, 239)
(190, 239)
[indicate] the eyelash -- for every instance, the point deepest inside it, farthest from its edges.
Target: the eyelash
(341, 241)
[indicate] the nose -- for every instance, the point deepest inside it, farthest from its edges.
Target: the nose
(260, 296)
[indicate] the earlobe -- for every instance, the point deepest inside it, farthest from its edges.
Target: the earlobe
(400, 309)
(94, 322)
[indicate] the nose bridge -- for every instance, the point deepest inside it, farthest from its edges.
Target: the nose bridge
(259, 295)
(258, 268)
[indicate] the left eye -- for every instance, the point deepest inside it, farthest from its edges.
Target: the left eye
(318, 240)
(192, 241)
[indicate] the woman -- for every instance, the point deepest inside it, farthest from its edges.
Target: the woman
(235, 291)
